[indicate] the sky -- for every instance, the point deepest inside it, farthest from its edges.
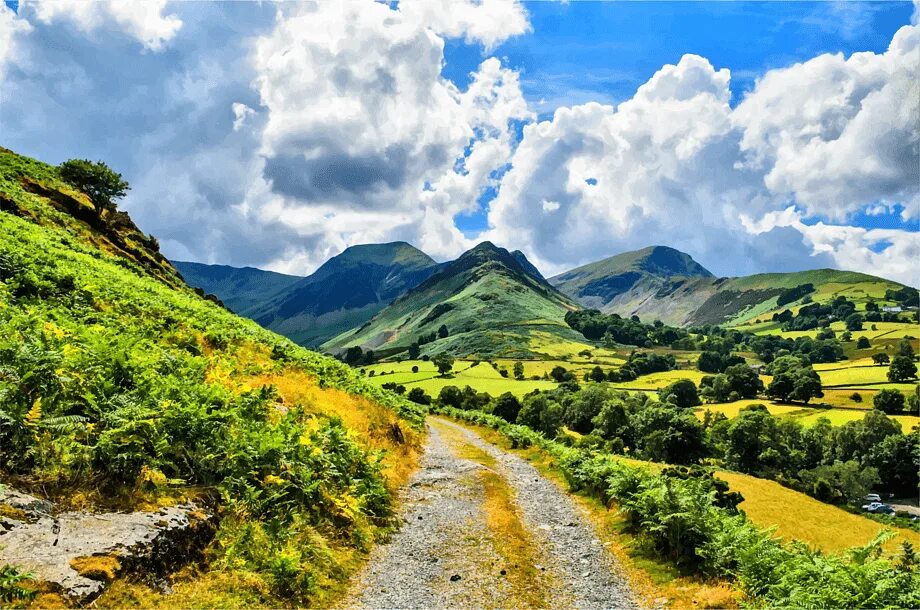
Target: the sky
(757, 137)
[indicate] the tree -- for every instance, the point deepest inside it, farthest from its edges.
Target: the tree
(559, 374)
(905, 348)
(442, 331)
(682, 393)
(354, 354)
(101, 183)
(444, 362)
(507, 407)
(902, 368)
(889, 401)
(856, 397)
(880, 359)
(415, 368)
(418, 395)
(863, 343)
(854, 321)
(597, 374)
(518, 370)
(794, 379)
(450, 396)
(414, 351)
(744, 380)
(541, 414)
(665, 434)
(585, 405)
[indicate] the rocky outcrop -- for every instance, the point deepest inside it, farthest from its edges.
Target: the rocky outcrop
(79, 552)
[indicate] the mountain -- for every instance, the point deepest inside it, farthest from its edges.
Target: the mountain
(240, 289)
(661, 283)
(612, 283)
(344, 293)
(493, 303)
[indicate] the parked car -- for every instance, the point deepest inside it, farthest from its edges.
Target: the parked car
(873, 498)
(878, 508)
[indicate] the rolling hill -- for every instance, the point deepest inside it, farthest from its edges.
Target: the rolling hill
(344, 293)
(492, 302)
(660, 283)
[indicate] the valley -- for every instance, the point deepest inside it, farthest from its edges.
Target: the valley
(468, 419)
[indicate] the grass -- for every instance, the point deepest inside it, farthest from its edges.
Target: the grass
(797, 516)
(482, 378)
(656, 381)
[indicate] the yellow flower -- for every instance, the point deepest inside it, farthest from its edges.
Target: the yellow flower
(271, 479)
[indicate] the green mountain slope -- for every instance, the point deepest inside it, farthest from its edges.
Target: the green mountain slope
(608, 283)
(489, 299)
(121, 388)
(344, 293)
(240, 289)
(660, 283)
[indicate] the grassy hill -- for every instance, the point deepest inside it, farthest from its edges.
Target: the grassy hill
(344, 293)
(609, 283)
(491, 302)
(664, 284)
(120, 387)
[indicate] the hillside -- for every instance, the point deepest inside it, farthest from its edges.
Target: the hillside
(344, 293)
(123, 390)
(240, 289)
(491, 302)
(660, 283)
(608, 283)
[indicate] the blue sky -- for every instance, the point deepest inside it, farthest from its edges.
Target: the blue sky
(602, 51)
(277, 135)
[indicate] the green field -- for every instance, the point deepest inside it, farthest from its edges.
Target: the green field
(482, 378)
(807, 416)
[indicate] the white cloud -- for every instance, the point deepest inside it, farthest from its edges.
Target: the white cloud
(11, 27)
(836, 133)
(490, 22)
(677, 165)
(359, 119)
(143, 20)
(241, 112)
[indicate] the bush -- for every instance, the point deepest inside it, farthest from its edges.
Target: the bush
(682, 394)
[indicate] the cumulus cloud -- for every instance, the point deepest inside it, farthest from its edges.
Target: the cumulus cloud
(676, 164)
(359, 118)
(145, 21)
(837, 133)
(11, 28)
(490, 22)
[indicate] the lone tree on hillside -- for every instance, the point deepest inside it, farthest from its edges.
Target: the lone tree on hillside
(518, 370)
(863, 343)
(101, 183)
(444, 362)
(880, 359)
(443, 332)
(902, 368)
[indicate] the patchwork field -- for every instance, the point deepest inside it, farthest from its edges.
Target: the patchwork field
(481, 377)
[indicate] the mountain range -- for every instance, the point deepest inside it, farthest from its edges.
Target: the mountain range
(493, 302)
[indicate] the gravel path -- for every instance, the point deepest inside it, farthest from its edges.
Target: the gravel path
(445, 557)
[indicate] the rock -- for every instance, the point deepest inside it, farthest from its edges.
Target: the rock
(455, 578)
(77, 553)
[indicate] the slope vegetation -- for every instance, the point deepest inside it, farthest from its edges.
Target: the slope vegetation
(488, 299)
(121, 388)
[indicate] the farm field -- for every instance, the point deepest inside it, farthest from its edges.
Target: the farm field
(797, 516)
(657, 381)
(805, 415)
(482, 378)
